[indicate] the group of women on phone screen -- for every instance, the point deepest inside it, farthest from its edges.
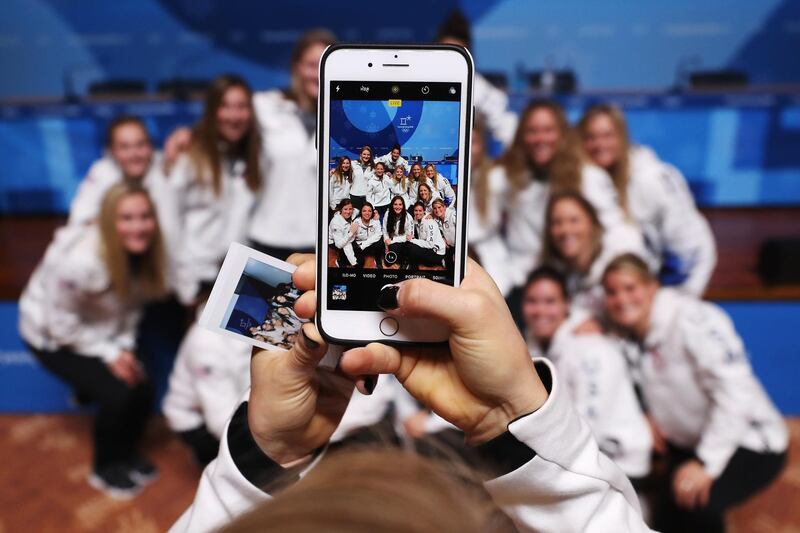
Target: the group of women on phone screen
(404, 219)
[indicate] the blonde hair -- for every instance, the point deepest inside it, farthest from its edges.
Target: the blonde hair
(435, 177)
(404, 179)
(550, 253)
(366, 490)
(563, 172)
(630, 263)
(144, 274)
(620, 171)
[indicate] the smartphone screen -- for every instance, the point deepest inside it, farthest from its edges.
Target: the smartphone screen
(393, 172)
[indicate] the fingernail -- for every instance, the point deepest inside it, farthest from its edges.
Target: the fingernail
(369, 384)
(311, 344)
(387, 298)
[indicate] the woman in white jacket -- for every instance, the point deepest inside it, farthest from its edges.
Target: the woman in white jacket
(427, 247)
(655, 196)
(485, 212)
(379, 189)
(79, 313)
(425, 196)
(398, 230)
(340, 181)
(401, 184)
(342, 233)
(552, 477)
(440, 185)
(725, 440)
(579, 247)
(288, 128)
(209, 377)
(543, 159)
(214, 186)
(592, 367)
(416, 175)
(129, 157)
(393, 159)
(368, 237)
(363, 169)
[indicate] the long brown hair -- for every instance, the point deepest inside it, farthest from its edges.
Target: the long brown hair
(204, 151)
(340, 174)
(563, 172)
(307, 40)
(550, 253)
(366, 490)
(479, 175)
(145, 273)
(620, 171)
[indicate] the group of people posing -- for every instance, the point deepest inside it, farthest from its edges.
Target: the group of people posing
(405, 218)
(573, 224)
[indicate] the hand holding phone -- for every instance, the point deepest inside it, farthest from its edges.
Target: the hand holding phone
(394, 128)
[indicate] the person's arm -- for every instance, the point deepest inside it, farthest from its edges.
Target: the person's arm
(70, 286)
(85, 206)
(492, 104)
(342, 236)
(686, 232)
(602, 390)
(725, 374)
(447, 191)
(376, 236)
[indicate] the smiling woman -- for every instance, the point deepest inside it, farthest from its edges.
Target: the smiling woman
(78, 316)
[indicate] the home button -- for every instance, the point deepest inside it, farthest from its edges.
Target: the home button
(389, 326)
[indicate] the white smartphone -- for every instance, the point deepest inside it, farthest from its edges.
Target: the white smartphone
(390, 118)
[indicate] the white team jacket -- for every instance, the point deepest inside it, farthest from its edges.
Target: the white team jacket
(361, 175)
(699, 387)
(595, 373)
(387, 160)
(569, 486)
(337, 191)
(397, 189)
(398, 237)
(289, 191)
(210, 375)
(660, 202)
(442, 189)
(492, 104)
(483, 232)
(448, 226)
(341, 237)
(104, 174)
(208, 223)
(430, 236)
(526, 217)
(368, 234)
(68, 301)
(379, 191)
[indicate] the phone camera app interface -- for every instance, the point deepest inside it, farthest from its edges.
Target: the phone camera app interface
(392, 184)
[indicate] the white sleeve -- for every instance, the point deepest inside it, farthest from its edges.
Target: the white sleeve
(376, 236)
(447, 190)
(597, 187)
(67, 286)
(687, 233)
(570, 485)
(725, 374)
(600, 385)
(492, 104)
(85, 206)
(383, 224)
